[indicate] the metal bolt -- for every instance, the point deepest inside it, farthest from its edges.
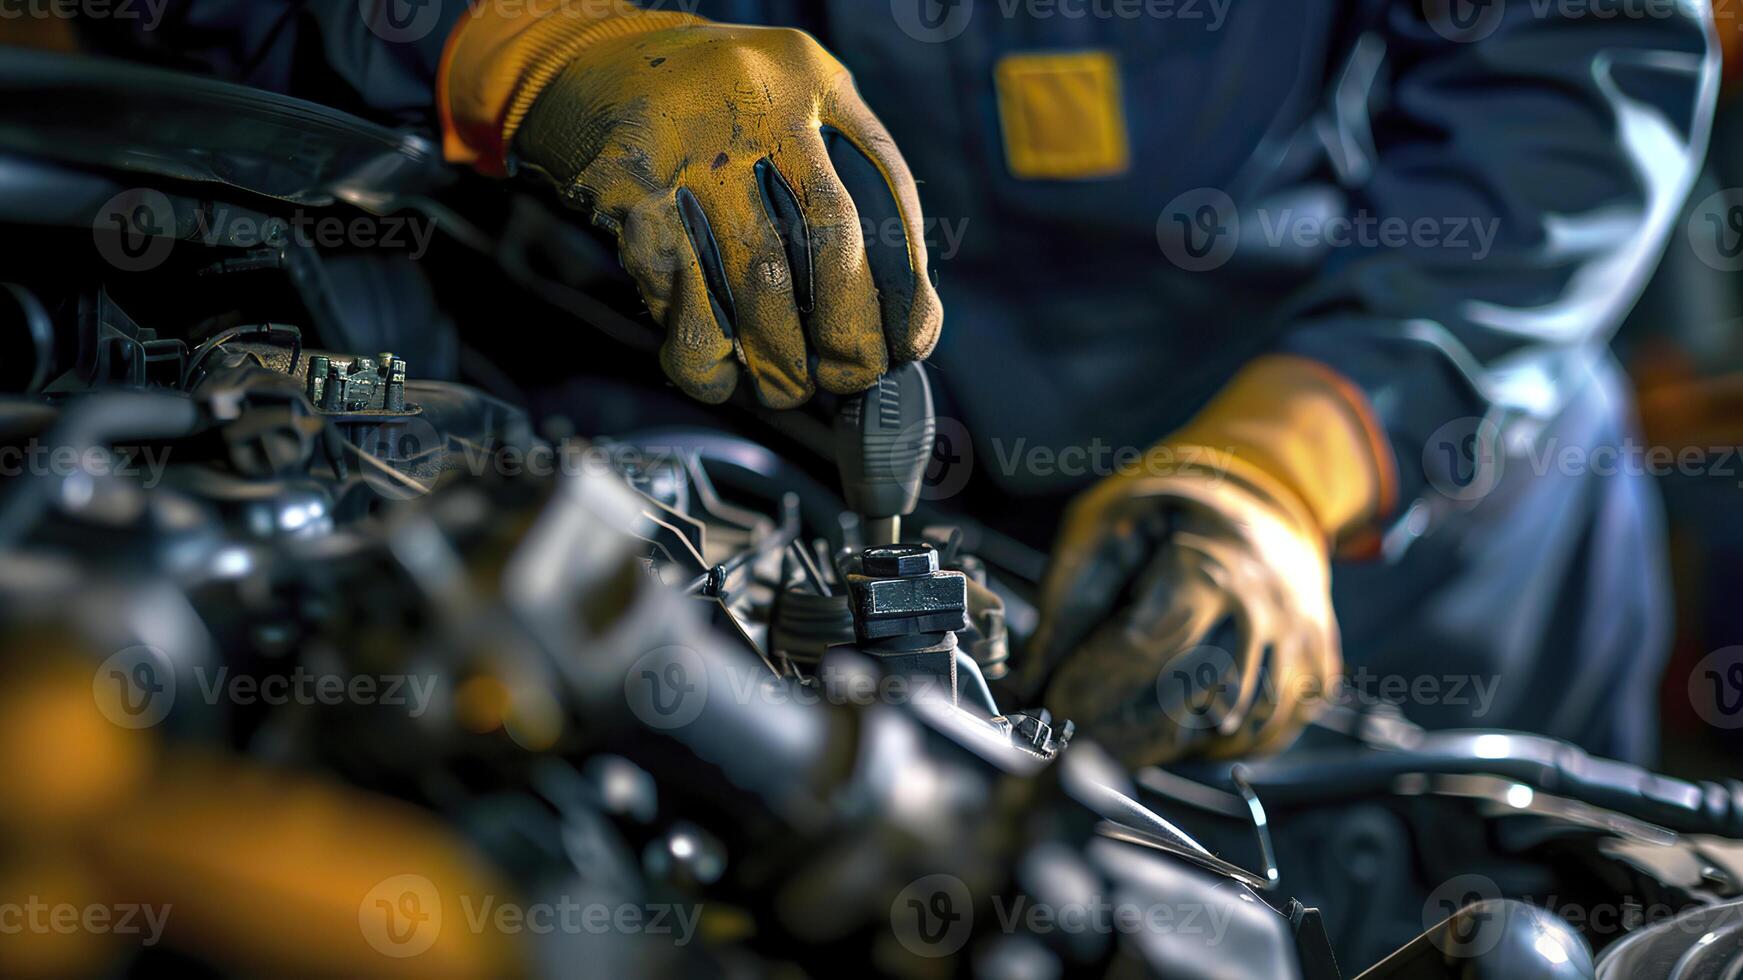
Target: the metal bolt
(333, 393)
(394, 401)
(317, 380)
(900, 561)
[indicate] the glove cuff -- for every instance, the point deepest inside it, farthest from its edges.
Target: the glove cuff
(1312, 434)
(499, 58)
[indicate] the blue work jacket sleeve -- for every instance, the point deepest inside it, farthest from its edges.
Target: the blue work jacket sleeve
(1529, 161)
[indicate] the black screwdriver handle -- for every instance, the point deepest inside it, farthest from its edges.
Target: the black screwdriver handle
(883, 441)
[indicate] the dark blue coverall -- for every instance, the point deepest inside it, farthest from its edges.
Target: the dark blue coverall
(1540, 152)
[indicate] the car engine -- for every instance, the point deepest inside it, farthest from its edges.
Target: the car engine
(773, 722)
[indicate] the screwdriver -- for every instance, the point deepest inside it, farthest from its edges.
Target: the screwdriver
(883, 441)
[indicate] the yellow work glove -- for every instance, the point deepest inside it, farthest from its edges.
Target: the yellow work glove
(1188, 606)
(760, 206)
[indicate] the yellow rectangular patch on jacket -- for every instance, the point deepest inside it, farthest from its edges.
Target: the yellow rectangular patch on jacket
(1063, 115)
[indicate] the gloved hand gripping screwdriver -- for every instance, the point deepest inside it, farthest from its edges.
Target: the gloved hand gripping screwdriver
(883, 441)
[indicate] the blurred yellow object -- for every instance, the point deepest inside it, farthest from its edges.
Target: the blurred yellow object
(1231, 520)
(481, 703)
(1312, 432)
(1731, 47)
(1681, 407)
(278, 872)
(252, 870)
(57, 919)
(64, 761)
(1063, 115)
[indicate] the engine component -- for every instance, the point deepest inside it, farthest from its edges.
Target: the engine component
(632, 661)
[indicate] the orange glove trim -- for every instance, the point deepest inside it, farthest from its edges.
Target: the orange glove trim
(1313, 432)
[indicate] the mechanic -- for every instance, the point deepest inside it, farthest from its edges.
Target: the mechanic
(1357, 256)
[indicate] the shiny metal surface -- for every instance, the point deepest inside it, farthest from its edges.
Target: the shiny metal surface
(1498, 939)
(1705, 944)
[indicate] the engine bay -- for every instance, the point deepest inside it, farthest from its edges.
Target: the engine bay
(750, 694)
